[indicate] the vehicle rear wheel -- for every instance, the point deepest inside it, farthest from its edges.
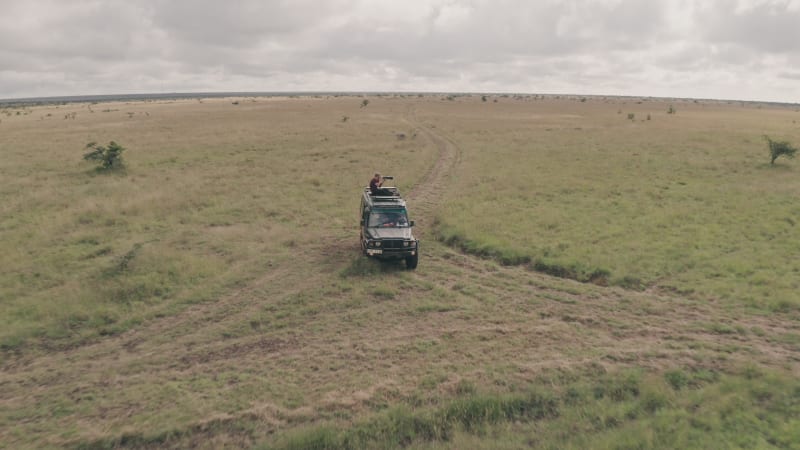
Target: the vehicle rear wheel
(411, 262)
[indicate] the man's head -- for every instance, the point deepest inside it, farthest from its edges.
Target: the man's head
(377, 176)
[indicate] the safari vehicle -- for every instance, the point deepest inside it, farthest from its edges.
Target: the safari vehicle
(385, 228)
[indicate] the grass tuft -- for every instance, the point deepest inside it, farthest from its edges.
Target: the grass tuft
(321, 438)
(401, 426)
(361, 267)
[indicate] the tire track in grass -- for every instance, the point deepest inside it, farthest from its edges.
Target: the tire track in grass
(427, 194)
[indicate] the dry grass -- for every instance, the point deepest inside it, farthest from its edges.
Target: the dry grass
(273, 322)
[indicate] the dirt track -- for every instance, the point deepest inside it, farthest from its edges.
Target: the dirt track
(428, 193)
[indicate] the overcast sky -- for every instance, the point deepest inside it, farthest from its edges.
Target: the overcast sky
(728, 49)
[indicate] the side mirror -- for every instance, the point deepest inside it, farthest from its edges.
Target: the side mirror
(411, 223)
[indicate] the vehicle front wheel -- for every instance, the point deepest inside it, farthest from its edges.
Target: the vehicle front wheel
(411, 262)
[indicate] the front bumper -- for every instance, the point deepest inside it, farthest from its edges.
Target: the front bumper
(391, 249)
(390, 253)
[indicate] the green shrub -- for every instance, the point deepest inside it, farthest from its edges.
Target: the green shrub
(779, 148)
(109, 157)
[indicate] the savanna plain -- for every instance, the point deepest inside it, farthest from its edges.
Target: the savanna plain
(595, 272)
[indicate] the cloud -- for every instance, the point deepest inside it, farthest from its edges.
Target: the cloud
(762, 26)
(635, 47)
(245, 23)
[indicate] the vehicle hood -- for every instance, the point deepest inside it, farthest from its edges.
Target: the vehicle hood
(390, 233)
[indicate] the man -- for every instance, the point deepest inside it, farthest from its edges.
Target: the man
(375, 186)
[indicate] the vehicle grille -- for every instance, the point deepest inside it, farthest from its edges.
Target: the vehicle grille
(392, 243)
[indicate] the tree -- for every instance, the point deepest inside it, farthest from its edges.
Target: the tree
(779, 148)
(109, 157)
(364, 103)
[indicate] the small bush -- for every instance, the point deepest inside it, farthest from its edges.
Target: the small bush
(779, 148)
(109, 157)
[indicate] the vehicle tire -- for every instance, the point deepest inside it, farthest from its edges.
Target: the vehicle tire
(411, 261)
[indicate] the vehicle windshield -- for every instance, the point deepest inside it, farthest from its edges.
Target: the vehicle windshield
(388, 218)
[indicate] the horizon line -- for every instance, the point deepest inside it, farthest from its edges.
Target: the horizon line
(221, 94)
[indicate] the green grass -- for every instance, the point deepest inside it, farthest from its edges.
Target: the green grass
(623, 410)
(685, 202)
(212, 295)
(207, 204)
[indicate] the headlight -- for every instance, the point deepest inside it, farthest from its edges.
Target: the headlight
(377, 243)
(406, 243)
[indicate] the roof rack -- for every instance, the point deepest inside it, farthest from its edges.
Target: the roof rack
(378, 200)
(391, 188)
